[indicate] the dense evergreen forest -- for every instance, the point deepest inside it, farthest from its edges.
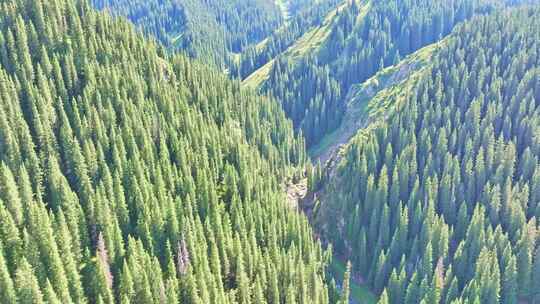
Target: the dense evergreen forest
(131, 176)
(440, 201)
(218, 31)
(213, 30)
(360, 38)
(308, 15)
(157, 151)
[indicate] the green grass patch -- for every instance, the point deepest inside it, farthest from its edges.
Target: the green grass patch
(360, 293)
(257, 78)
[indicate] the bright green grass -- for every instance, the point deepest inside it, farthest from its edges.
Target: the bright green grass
(360, 293)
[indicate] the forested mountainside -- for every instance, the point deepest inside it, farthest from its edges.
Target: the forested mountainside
(210, 30)
(131, 176)
(308, 15)
(438, 199)
(218, 31)
(358, 38)
(133, 169)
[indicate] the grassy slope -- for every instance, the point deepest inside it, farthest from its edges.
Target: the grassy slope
(359, 293)
(372, 100)
(310, 42)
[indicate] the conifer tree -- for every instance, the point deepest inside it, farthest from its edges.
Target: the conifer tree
(345, 292)
(26, 284)
(7, 294)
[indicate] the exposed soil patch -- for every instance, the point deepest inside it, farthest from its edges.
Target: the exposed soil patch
(296, 192)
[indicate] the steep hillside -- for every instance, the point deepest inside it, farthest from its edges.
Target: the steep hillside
(313, 76)
(222, 32)
(437, 200)
(131, 176)
(374, 100)
(211, 30)
(303, 16)
(308, 43)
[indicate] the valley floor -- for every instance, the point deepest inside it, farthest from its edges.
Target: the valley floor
(360, 293)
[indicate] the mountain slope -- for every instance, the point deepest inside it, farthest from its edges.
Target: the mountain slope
(308, 15)
(312, 78)
(370, 102)
(128, 175)
(438, 199)
(211, 30)
(308, 43)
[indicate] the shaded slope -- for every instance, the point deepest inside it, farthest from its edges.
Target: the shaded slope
(127, 175)
(306, 15)
(373, 101)
(211, 30)
(439, 200)
(305, 45)
(313, 76)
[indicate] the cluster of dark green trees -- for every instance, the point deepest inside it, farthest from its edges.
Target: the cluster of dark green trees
(365, 36)
(210, 30)
(441, 202)
(304, 16)
(131, 176)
